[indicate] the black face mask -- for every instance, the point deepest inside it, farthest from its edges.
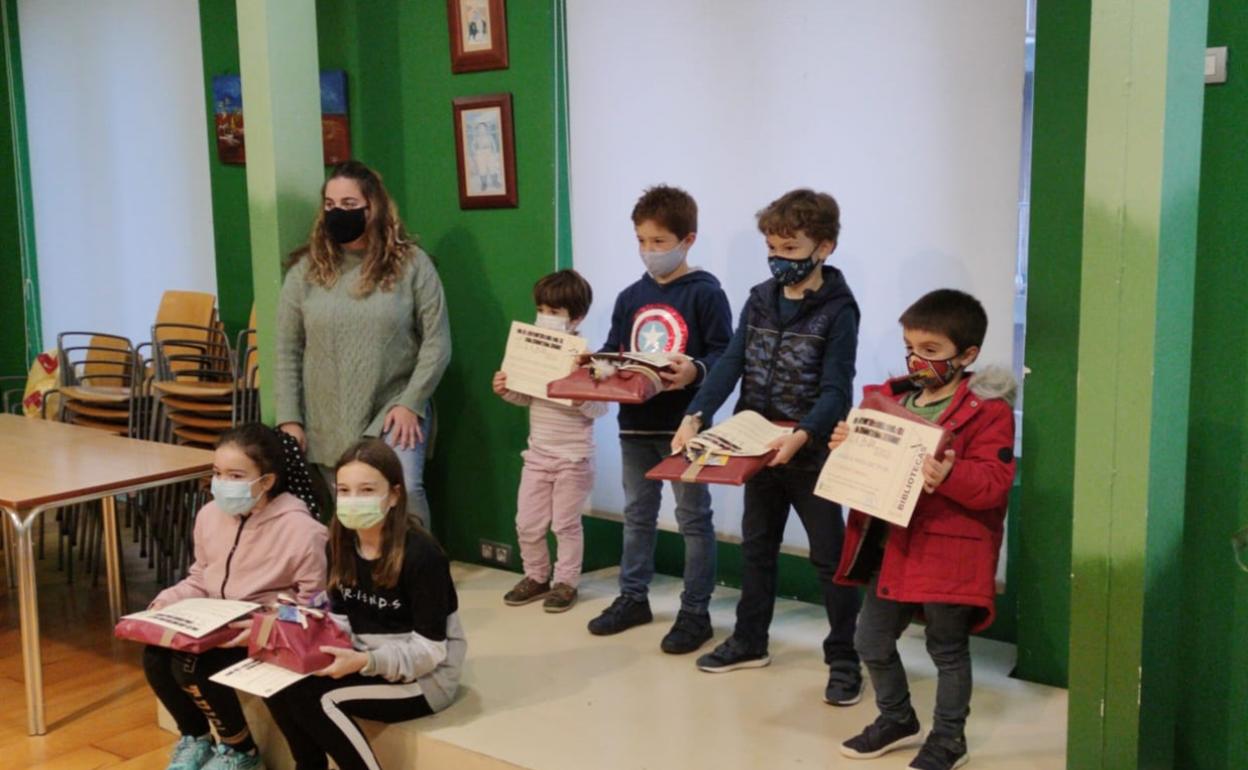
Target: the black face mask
(345, 225)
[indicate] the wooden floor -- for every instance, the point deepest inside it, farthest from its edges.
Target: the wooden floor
(100, 711)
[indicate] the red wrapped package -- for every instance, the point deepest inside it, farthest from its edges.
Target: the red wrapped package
(136, 630)
(734, 470)
(625, 378)
(295, 644)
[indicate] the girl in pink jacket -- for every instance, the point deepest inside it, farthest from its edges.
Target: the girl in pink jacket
(252, 542)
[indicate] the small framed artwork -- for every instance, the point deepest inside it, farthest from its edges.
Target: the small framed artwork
(478, 34)
(485, 147)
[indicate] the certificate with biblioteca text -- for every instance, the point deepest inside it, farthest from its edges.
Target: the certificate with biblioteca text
(879, 469)
(536, 356)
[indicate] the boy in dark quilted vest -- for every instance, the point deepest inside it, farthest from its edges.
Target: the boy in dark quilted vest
(793, 352)
(943, 565)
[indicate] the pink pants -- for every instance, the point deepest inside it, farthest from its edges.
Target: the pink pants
(553, 493)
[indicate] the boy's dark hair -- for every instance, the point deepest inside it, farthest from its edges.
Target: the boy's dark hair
(669, 207)
(950, 312)
(565, 289)
(814, 213)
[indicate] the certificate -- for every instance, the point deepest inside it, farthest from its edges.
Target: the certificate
(745, 434)
(536, 356)
(256, 677)
(879, 468)
(196, 617)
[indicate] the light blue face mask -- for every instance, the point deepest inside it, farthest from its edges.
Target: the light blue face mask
(663, 263)
(234, 497)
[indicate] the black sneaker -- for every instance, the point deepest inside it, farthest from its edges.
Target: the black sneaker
(940, 752)
(844, 684)
(623, 614)
(731, 655)
(689, 632)
(880, 737)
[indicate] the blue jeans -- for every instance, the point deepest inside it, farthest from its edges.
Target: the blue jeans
(413, 462)
(641, 511)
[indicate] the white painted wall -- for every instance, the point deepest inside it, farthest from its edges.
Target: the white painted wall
(908, 111)
(119, 159)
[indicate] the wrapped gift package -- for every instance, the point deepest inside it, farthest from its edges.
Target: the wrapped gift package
(634, 383)
(295, 643)
(719, 470)
(137, 630)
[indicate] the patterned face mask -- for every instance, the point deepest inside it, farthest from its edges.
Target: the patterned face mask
(789, 272)
(926, 372)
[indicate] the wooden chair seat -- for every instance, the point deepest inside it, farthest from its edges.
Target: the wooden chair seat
(192, 420)
(85, 422)
(99, 412)
(97, 394)
(203, 407)
(192, 436)
(204, 391)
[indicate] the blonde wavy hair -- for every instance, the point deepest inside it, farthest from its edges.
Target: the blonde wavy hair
(387, 251)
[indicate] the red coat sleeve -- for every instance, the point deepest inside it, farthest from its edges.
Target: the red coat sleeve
(983, 470)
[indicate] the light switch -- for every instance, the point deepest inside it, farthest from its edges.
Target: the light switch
(1215, 65)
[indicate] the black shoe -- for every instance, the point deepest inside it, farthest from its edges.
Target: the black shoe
(731, 655)
(689, 632)
(623, 614)
(940, 752)
(880, 737)
(844, 684)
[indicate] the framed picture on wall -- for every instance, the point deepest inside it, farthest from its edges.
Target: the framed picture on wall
(478, 34)
(485, 148)
(227, 100)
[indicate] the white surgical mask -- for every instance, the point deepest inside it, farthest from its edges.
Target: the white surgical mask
(233, 497)
(663, 263)
(360, 512)
(553, 322)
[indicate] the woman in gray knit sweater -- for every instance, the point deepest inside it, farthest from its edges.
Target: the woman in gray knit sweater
(362, 333)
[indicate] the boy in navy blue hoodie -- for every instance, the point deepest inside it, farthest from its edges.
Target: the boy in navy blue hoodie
(681, 311)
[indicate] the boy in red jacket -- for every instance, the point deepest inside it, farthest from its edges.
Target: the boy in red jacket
(942, 566)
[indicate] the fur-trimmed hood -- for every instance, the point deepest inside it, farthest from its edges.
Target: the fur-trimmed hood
(994, 382)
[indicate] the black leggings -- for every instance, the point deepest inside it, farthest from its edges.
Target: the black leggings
(180, 680)
(315, 715)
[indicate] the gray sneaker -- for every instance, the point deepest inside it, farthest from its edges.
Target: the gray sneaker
(560, 599)
(190, 753)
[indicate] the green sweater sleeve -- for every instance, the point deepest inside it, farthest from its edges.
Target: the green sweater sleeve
(432, 329)
(288, 385)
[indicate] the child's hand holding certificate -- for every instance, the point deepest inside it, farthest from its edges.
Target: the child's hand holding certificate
(879, 468)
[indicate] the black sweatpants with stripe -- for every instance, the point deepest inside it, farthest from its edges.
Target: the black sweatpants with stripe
(316, 716)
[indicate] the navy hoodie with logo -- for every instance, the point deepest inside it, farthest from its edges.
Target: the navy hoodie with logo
(690, 315)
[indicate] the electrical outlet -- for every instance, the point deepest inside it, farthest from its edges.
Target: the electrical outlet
(502, 554)
(487, 550)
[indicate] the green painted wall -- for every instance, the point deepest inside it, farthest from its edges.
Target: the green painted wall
(1041, 541)
(12, 316)
(218, 21)
(1213, 720)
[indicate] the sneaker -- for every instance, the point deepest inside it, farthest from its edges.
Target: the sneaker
(226, 758)
(560, 599)
(880, 737)
(623, 614)
(844, 684)
(731, 655)
(941, 752)
(190, 753)
(690, 631)
(526, 591)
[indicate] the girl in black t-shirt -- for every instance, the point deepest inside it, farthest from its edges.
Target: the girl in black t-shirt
(390, 586)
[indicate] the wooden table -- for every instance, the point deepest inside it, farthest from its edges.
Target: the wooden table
(50, 464)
